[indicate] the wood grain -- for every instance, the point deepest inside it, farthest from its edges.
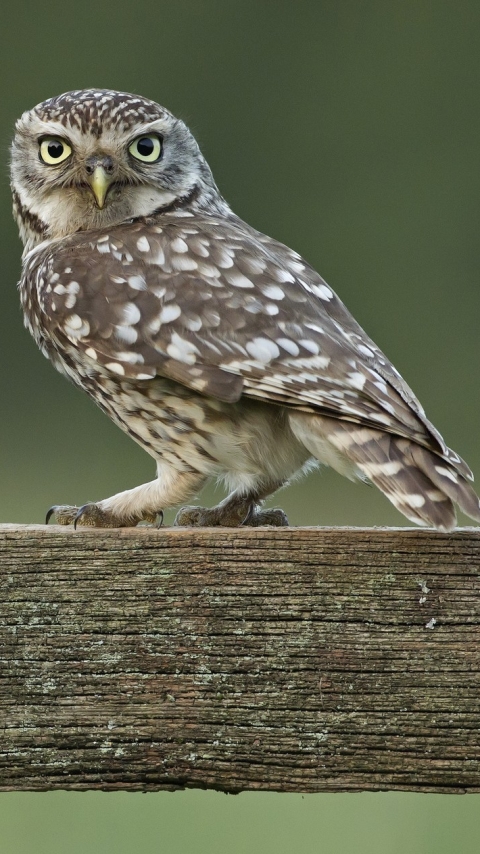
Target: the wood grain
(296, 659)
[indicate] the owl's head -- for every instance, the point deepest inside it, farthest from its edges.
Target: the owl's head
(92, 158)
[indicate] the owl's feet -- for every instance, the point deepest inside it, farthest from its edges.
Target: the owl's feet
(94, 516)
(232, 516)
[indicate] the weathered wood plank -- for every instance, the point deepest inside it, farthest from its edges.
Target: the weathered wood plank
(296, 659)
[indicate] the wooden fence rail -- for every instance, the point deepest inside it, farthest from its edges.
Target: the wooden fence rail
(289, 659)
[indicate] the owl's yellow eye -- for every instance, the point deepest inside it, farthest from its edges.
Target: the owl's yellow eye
(146, 148)
(54, 150)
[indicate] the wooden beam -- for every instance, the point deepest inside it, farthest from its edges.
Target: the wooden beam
(289, 659)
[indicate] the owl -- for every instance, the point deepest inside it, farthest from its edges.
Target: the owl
(219, 350)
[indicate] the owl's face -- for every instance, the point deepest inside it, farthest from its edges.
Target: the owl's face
(94, 158)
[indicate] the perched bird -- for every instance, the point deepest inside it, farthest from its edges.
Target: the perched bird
(219, 350)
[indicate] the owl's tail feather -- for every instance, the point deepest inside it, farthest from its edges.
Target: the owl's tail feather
(423, 485)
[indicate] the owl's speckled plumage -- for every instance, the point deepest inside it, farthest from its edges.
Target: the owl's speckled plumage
(219, 350)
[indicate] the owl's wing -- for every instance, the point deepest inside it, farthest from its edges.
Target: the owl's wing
(226, 311)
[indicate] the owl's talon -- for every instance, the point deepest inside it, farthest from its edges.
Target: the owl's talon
(275, 517)
(229, 516)
(79, 515)
(50, 513)
(64, 514)
(94, 516)
(159, 519)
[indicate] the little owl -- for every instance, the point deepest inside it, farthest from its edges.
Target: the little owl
(217, 349)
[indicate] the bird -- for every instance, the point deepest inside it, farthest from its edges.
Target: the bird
(218, 349)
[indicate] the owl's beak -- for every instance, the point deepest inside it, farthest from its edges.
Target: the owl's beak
(100, 182)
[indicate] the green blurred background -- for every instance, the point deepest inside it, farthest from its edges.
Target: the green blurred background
(350, 131)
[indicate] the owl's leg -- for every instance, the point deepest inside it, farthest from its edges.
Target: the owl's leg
(141, 504)
(239, 508)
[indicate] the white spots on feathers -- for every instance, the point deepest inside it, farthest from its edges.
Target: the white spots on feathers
(322, 291)
(414, 500)
(238, 280)
(288, 345)
(183, 263)
(138, 283)
(315, 328)
(356, 380)
(263, 350)
(193, 323)
(273, 292)
(158, 258)
(272, 308)
(169, 312)
(76, 327)
(388, 469)
(182, 350)
(309, 345)
(365, 351)
(126, 334)
(282, 275)
(224, 257)
(130, 357)
(199, 247)
(143, 244)
(131, 314)
(179, 245)
(208, 270)
(447, 473)
(116, 367)
(251, 265)
(381, 385)
(102, 246)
